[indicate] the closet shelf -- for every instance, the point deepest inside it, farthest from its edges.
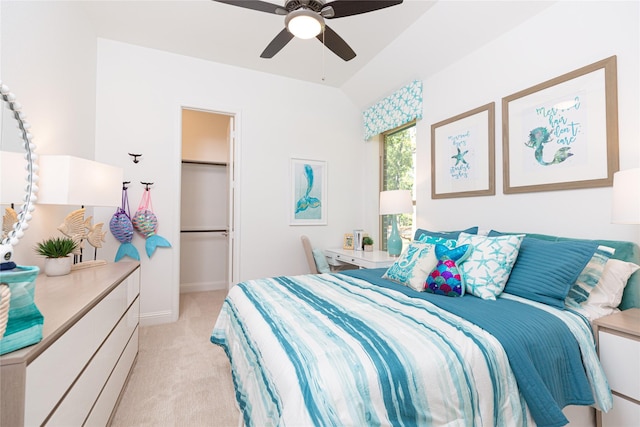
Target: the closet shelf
(205, 230)
(200, 162)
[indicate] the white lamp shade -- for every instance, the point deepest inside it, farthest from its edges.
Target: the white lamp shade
(68, 180)
(626, 197)
(395, 202)
(14, 177)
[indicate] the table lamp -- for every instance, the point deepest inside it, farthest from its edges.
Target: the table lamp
(69, 180)
(394, 202)
(626, 197)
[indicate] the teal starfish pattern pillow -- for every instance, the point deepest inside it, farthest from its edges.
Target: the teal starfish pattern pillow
(415, 263)
(487, 269)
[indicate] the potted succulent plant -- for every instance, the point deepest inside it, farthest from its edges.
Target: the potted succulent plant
(367, 243)
(57, 255)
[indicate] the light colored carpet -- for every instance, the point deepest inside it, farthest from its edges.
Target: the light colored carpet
(180, 377)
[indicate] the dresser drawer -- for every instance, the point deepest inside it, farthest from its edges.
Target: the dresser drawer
(624, 414)
(50, 375)
(105, 406)
(619, 356)
(75, 407)
(347, 259)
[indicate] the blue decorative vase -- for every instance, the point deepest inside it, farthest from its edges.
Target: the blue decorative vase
(24, 321)
(394, 242)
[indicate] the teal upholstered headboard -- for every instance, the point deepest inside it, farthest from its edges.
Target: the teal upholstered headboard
(625, 251)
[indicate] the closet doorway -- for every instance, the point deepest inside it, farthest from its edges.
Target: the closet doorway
(207, 201)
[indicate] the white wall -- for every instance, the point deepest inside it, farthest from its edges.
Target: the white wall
(140, 93)
(49, 62)
(559, 39)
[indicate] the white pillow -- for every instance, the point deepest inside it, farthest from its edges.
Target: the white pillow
(607, 294)
(488, 267)
(415, 263)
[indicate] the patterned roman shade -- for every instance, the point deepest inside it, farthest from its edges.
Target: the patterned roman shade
(401, 107)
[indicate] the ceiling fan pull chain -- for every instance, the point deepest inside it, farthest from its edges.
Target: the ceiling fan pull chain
(323, 50)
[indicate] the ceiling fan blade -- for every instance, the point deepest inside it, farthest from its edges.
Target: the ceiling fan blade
(342, 8)
(277, 44)
(261, 6)
(336, 44)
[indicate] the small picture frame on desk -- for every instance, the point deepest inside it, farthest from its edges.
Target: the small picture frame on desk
(347, 242)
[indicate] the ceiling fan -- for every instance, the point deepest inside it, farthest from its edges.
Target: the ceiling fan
(305, 19)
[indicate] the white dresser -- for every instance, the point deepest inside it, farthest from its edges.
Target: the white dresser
(75, 375)
(618, 337)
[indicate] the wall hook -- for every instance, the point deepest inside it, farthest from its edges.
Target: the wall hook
(125, 184)
(135, 157)
(146, 185)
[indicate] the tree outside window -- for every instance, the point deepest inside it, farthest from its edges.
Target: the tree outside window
(398, 173)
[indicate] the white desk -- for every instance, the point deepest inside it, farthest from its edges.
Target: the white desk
(362, 259)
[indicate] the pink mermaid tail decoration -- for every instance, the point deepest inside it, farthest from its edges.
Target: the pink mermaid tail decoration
(145, 222)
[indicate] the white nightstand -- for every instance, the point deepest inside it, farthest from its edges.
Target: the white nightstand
(362, 259)
(618, 338)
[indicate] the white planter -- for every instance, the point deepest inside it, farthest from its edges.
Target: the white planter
(57, 266)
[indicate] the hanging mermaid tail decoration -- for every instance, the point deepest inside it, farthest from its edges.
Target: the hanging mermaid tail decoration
(146, 223)
(122, 228)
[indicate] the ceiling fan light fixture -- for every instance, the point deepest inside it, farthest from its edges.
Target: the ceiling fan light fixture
(304, 23)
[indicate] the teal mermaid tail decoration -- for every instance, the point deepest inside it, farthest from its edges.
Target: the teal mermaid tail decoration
(537, 140)
(154, 242)
(127, 249)
(306, 202)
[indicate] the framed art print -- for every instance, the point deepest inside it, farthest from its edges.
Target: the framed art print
(347, 241)
(463, 154)
(308, 202)
(562, 134)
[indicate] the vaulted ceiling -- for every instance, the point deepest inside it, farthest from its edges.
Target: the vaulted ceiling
(233, 35)
(395, 45)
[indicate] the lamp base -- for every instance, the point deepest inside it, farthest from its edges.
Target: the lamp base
(394, 242)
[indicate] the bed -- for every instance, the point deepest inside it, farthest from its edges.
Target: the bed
(361, 347)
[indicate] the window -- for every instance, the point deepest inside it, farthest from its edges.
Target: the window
(397, 172)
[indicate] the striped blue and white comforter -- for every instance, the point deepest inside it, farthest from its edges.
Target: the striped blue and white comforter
(336, 350)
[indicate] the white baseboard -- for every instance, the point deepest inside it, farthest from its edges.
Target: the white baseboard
(157, 318)
(202, 286)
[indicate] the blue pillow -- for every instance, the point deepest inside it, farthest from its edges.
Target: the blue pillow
(321, 261)
(545, 270)
(446, 278)
(422, 234)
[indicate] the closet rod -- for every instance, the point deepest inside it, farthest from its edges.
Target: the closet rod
(204, 231)
(198, 162)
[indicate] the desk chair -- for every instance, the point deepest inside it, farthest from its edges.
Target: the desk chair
(317, 260)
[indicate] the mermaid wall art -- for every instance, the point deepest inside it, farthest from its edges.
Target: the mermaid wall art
(563, 133)
(309, 187)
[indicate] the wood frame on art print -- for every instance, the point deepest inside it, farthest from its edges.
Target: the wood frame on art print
(347, 241)
(463, 154)
(308, 202)
(562, 134)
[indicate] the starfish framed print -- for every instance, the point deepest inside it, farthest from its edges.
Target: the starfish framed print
(308, 202)
(562, 134)
(463, 154)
